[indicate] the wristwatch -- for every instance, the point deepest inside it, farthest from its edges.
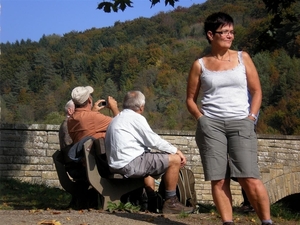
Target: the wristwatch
(253, 115)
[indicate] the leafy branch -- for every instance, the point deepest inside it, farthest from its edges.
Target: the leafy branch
(115, 5)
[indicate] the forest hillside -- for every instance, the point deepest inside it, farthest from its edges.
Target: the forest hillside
(154, 55)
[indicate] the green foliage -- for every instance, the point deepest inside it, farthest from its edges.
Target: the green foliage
(283, 30)
(279, 75)
(115, 5)
(277, 6)
(17, 195)
(54, 118)
(154, 55)
(282, 211)
(183, 215)
(112, 206)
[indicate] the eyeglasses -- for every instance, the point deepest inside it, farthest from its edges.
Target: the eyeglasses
(225, 32)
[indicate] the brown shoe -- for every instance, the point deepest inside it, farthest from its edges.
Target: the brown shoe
(173, 206)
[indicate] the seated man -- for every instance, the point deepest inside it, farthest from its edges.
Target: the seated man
(128, 142)
(87, 120)
(82, 196)
(65, 141)
(64, 137)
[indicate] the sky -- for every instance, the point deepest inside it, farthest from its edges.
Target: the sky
(31, 19)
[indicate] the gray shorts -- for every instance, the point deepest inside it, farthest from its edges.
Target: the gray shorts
(227, 148)
(149, 163)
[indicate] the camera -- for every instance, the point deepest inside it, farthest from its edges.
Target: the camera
(102, 103)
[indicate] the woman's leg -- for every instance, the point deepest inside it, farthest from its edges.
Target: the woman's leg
(222, 198)
(258, 196)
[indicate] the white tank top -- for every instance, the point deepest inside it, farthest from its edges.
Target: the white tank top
(224, 94)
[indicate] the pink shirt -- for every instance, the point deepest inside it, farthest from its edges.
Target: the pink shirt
(85, 122)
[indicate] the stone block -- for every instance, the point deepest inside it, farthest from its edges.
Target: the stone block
(45, 160)
(46, 167)
(13, 173)
(49, 175)
(7, 144)
(32, 173)
(35, 152)
(6, 159)
(53, 183)
(53, 139)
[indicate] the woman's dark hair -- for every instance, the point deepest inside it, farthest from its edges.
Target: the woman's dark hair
(216, 20)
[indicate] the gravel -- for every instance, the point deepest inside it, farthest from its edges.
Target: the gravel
(100, 217)
(86, 217)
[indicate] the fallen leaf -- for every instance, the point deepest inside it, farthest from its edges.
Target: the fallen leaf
(151, 219)
(49, 222)
(32, 211)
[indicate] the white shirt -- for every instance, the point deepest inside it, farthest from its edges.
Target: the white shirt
(129, 136)
(224, 93)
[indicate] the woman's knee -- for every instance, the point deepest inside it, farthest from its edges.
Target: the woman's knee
(249, 182)
(220, 183)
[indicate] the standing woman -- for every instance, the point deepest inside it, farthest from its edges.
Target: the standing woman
(225, 124)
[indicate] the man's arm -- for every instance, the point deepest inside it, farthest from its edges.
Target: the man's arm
(111, 104)
(150, 139)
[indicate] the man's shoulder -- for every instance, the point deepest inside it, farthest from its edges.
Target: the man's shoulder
(82, 113)
(128, 113)
(63, 124)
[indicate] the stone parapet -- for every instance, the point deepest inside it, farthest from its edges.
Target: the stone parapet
(26, 154)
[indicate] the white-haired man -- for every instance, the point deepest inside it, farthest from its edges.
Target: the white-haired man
(128, 141)
(64, 137)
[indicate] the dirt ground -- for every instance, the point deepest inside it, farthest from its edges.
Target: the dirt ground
(95, 217)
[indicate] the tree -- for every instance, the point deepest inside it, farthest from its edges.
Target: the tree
(154, 55)
(110, 89)
(115, 5)
(20, 78)
(283, 30)
(43, 70)
(276, 6)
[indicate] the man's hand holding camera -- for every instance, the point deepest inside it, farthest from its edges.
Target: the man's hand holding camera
(98, 105)
(110, 103)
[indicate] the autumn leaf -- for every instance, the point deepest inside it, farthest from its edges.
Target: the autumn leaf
(49, 222)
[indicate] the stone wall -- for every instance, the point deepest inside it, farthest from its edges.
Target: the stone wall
(26, 154)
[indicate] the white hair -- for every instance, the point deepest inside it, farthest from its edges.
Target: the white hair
(134, 100)
(69, 104)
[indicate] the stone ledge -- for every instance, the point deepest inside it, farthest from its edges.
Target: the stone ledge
(187, 133)
(37, 127)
